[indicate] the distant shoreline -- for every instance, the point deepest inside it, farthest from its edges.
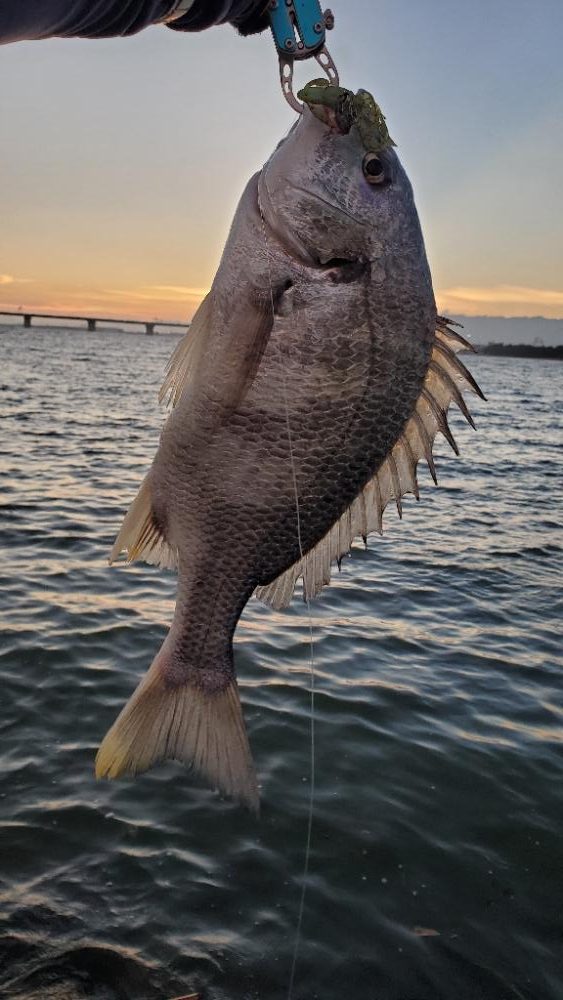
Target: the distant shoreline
(521, 350)
(494, 348)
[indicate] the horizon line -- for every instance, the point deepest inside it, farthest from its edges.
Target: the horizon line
(79, 314)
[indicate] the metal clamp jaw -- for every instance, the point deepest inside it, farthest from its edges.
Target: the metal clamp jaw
(299, 28)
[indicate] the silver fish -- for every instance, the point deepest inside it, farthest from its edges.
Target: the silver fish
(315, 370)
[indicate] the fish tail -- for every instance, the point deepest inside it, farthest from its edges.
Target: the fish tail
(182, 721)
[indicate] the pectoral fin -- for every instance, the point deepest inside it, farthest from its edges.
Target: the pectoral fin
(219, 357)
(249, 333)
(187, 356)
(223, 348)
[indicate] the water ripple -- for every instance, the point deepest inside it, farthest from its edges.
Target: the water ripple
(437, 860)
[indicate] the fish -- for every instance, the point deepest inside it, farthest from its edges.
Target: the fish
(314, 377)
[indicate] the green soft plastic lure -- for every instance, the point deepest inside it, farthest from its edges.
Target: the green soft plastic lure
(341, 109)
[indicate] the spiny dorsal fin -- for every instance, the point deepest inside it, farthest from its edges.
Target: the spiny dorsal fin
(140, 535)
(395, 477)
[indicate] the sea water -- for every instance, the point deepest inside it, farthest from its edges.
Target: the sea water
(436, 869)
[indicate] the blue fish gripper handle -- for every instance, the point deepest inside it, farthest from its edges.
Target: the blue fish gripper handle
(299, 26)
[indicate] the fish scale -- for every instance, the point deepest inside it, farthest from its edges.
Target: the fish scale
(317, 364)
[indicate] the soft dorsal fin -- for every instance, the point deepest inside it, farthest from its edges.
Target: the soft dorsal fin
(395, 477)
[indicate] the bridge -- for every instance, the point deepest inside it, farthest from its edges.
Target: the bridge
(91, 321)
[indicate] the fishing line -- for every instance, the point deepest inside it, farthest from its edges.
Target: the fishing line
(305, 876)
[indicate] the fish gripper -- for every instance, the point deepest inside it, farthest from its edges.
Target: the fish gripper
(299, 28)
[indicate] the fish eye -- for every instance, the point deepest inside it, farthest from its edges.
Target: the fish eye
(374, 171)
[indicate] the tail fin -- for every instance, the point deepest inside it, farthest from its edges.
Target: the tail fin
(185, 723)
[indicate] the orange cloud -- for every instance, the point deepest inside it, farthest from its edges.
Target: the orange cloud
(182, 290)
(160, 293)
(175, 303)
(178, 303)
(9, 279)
(502, 300)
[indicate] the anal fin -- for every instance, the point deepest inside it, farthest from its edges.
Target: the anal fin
(140, 536)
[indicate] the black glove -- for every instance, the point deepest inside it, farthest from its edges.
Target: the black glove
(254, 20)
(247, 16)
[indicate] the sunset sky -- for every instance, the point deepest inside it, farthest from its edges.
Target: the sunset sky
(123, 159)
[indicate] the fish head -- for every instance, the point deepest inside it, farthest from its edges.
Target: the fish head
(335, 189)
